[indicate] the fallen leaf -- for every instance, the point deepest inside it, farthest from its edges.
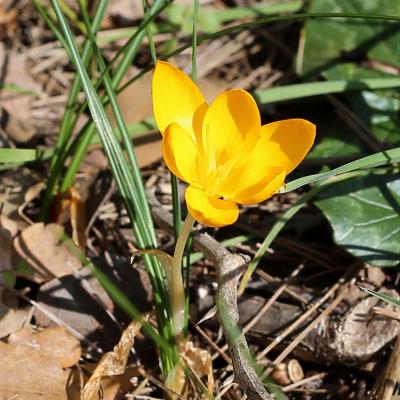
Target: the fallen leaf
(29, 373)
(54, 342)
(80, 302)
(8, 20)
(11, 318)
(31, 194)
(17, 105)
(14, 185)
(42, 248)
(200, 361)
(112, 363)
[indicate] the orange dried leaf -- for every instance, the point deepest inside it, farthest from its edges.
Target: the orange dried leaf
(112, 363)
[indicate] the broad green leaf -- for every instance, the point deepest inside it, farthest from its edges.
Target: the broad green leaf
(329, 42)
(378, 110)
(364, 213)
(343, 144)
(211, 18)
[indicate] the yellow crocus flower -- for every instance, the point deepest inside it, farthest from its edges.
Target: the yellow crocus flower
(221, 150)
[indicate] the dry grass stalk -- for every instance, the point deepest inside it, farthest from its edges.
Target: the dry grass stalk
(385, 387)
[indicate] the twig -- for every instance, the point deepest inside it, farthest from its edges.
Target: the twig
(229, 268)
(386, 384)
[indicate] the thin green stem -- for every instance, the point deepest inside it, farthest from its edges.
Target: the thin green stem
(176, 290)
(194, 39)
(148, 33)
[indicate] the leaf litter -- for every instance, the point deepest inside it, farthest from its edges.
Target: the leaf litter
(106, 239)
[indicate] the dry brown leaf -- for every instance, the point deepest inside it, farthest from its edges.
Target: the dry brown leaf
(29, 373)
(112, 388)
(8, 19)
(11, 318)
(14, 185)
(41, 246)
(18, 106)
(31, 194)
(81, 303)
(78, 219)
(54, 342)
(200, 361)
(112, 363)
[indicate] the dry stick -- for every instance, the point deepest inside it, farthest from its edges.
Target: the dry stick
(295, 385)
(225, 389)
(266, 306)
(300, 320)
(55, 319)
(139, 388)
(212, 344)
(275, 281)
(272, 299)
(229, 268)
(386, 384)
(161, 385)
(309, 328)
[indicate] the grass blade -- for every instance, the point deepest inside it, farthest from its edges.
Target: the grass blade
(308, 89)
(381, 296)
(374, 160)
(67, 122)
(21, 156)
(122, 173)
(86, 136)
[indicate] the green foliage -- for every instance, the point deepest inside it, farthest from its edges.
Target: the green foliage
(329, 42)
(210, 19)
(127, 176)
(364, 213)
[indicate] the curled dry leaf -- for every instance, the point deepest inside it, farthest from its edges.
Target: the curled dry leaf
(42, 247)
(33, 369)
(31, 194)
(112, 363)
(200, 362)
(15, 186)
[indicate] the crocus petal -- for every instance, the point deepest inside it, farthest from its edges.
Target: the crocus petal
(287, 142)
(180, 152)
(231, 124)
(252, 182)
(176, 99)
(210, 210)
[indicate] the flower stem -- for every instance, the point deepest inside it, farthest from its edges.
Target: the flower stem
(176, 290)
